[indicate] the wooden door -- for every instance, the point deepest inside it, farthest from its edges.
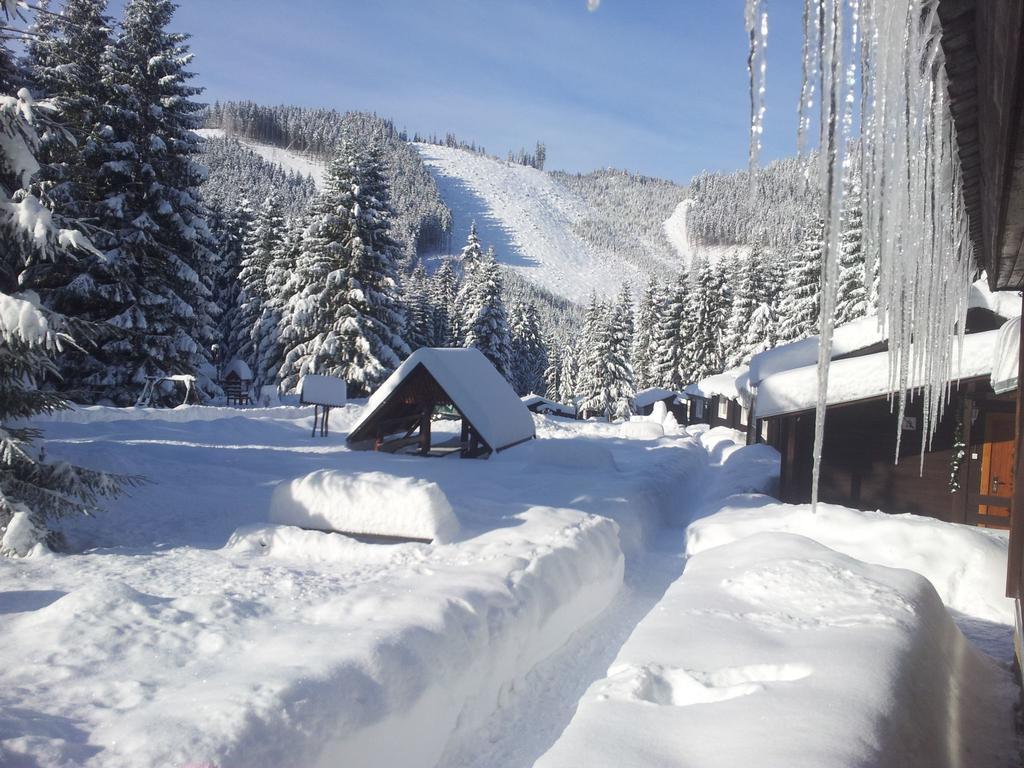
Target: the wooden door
(997, 463)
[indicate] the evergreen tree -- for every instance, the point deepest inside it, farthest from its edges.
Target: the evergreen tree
(852, 295)
(33, 492)
(159, 264)
(419, 329)
(800, 307)
(231, 250)
(745, 295)
(570, 370)
(671, 337)
(486, 316)
(761, 335)
(281, 289)
(346, 320)
(259, 246)
(444, 289)
(609, 387)
(529, 355)
(704, 350)
(470, 261)
(553, 373)
(645, 341)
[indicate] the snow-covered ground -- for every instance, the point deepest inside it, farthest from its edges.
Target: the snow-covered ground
(602, 601)
(677, 230)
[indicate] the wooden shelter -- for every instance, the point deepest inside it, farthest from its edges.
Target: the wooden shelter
(542, 405)
(236, 381)
(718, 401)
(434, 383)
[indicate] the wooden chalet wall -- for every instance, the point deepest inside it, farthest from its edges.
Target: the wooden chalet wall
(857, 468)
(733, 418)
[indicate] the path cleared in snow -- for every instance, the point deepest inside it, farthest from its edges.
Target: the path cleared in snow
(300, 163)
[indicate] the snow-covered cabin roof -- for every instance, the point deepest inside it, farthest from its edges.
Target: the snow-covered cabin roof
(240, 368)
(860, 378)
(721, 384)
(1006, 358)
(323, 390)
(650, 396)
(1003, 303)
(542, 403)
(846, 339)
(478, 391)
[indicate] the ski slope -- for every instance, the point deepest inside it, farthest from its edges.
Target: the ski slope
(304, 165)
(528, 217)
(677, 230)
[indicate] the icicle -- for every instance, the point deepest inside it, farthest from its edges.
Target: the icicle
(756, 17)
(915, 229)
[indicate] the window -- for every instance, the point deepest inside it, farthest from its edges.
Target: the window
(764, 430)
(744, 416)
(723, 408)
(698, 408)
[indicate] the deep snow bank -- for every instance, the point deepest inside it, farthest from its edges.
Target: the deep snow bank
(371, 503)
(774, 650)
(967, 566)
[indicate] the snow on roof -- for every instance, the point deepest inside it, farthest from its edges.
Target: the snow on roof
(846, 339)
(860, 378)
(559, 408)
(646, 397)
(240, 368)
(323, 390)
(475, 387)
(721, 384)
(1003, 303)
(1006, 358)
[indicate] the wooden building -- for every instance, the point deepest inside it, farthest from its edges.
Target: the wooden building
(675, 403)
(542, 405)
(719, 400)
(961, 476)
(434, 384)
(983, 46)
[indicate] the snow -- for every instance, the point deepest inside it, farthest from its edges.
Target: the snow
(548, 406)
(1006, 358)
(367, 503)
(323, 390)
(677, 230)
(860, 378)
(240, 368)
(641, 430)
(606, 601)
(21, 320)
(721, 384)
(528, 217)
(1003, 303)
(304, 165)
(481, 394)
(846, 340)
(646, 397)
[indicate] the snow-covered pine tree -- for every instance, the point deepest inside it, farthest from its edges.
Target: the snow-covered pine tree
(553, 373)
(800, 306)
(760, 335)
(346, 320)
(150, 219)
(704, 350)
(529, 353)
(852, 293)
(33, 492)
(486, 319)
(230, 240)
(419, 327)
(443, 292)
(609, 391)
(465, 301)
(671, 337)
(645, 349)
(748, 281)
(260, 244)
(281, 288)
(568, 387)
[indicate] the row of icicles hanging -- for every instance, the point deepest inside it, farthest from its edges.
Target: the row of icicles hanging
(878, 65)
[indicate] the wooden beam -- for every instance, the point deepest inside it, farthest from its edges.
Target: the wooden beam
(1015, 557)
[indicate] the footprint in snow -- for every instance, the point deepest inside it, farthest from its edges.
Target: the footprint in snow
(677, 687)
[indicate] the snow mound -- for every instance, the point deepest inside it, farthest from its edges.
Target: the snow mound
(777, 651)
(641, 430)
(367, 503)
(967, 566)
(291, 543)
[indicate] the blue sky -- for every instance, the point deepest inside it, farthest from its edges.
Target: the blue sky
(656, 86)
